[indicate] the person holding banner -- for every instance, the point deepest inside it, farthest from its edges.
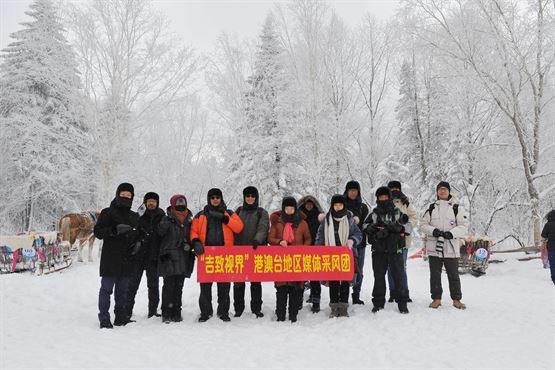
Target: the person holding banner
(288, 227)
(256, 224)
(176, 259)
(215, 225)
(339, 229)
(385, 230)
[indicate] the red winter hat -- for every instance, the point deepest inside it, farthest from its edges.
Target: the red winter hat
(173, 200)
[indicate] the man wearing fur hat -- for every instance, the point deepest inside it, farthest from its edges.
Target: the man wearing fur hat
(256, 224)
(215, 225)
(360, 211)
(117, 226)
(145, 256)
(385, 231)
(445, 224)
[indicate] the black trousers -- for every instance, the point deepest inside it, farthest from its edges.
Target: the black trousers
(152, 282)
(381, 262)
(205, 299)
(452, 268)
(172, 293)
(293, 293)
(339, 291)
(239, 297)
(315, 291)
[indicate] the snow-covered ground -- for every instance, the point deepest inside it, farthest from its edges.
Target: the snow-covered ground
(50, 322)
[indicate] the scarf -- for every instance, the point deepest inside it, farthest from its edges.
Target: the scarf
(288, 233)
(329, 230)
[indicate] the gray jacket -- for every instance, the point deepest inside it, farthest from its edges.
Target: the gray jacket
(256, 226)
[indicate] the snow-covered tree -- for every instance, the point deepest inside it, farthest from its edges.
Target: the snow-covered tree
(44, 132)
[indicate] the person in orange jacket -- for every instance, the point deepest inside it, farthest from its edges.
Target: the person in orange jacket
(215, 225)
(288, 227)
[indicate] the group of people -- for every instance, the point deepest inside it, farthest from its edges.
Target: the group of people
(165, 244)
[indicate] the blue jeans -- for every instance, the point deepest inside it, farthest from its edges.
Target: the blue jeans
(357, 283)
(107, 284)
(390, 275)
(551, 257)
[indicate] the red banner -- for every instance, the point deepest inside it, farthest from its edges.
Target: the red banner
(275, 263)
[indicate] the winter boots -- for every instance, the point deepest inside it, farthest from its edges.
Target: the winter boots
(436, 303)
(458, 304)
(339, 309)
(315, 307)
(377, 308)
(106, 324)
(403, 307)
(356, 298)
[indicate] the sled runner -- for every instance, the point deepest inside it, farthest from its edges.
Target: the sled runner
(37, 252)
(475, 255)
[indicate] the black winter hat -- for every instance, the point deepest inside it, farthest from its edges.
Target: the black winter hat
(394, 185)
(383, 190)
(214, 191)
(338, 198)
(352, 185)
(443, 184)
(151, 195)
(288, 202)
(250, 190)
(551, 216)
(125, 186)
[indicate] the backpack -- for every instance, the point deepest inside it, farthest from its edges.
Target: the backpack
(433, 206)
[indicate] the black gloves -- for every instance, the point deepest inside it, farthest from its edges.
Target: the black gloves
(220, 216)
(446, 234)
(121, 229)
(197, 247)
(255, 244)
(403, 219)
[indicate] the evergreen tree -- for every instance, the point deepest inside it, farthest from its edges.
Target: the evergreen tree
(44, 131)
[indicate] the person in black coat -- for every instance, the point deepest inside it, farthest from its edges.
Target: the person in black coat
(145, 256)
(385, 231)
(117, 226)
(256, 224)
(548, 233)
(311, 208)
(177, 258)
(360, 211)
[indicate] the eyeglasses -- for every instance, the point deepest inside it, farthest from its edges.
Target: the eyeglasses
(250, 196)
(215, 197)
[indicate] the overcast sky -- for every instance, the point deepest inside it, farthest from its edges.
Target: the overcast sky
(200, 22)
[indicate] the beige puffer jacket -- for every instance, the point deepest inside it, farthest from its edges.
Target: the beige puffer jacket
(443, 218)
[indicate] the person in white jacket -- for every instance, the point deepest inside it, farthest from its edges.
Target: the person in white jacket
(444, 224)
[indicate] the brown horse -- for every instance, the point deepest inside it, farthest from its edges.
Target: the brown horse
(79, 226)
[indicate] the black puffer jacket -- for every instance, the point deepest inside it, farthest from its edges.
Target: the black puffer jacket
(176, 256)
(548, 231)
(150, 241)
(384, 228)
(115, 259)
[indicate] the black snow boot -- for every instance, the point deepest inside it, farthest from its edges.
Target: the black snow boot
(315, 307)
(356, 298)
(122, 320)
(106, 324)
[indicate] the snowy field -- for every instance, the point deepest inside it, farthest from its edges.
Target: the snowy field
(50, 322)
